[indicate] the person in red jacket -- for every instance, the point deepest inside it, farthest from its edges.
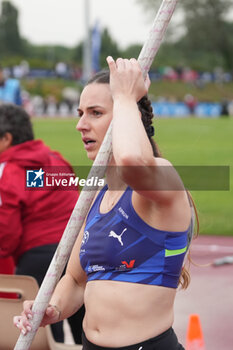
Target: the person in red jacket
(32, 220)
(7, 268)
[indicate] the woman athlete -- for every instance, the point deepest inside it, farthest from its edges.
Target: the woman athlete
(127, 261)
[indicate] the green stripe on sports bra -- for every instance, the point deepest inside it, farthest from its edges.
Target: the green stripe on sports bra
(174, 252)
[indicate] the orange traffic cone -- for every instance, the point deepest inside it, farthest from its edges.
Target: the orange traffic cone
(194, 339)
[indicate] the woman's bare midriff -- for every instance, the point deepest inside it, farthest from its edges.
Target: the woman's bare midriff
(121, 313)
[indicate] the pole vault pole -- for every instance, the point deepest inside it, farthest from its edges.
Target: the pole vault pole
(61, 256)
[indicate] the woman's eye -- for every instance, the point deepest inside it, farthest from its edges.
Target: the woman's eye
(96, 113)
(93, 113)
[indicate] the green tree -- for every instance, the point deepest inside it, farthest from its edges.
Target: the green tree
(10, 40)
(132, 51)
(206, 28)
(108, 47)
(78, 53)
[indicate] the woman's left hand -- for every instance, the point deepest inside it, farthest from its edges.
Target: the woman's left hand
(52, 315)
(126, 78)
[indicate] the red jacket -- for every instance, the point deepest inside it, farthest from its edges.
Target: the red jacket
(31, 218)
(7, 266)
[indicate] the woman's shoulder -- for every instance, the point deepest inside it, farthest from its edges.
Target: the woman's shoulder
(164, 187)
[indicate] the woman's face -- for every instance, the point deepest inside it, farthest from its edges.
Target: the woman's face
(95, 112)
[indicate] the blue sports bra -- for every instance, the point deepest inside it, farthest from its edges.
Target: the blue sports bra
(120, 246)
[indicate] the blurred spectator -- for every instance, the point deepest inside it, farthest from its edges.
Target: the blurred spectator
(51, 106)
(32, 221)
(189, 75)
(190, 102)
(206, 77)
(76, 73)
(225, 108)
(27, 102)
(25, 68)
(61, 70)
(179, 71)
(38, 105)
(218, 75)
(9, 89)
(170, 74)
(63, 109)
(70, 96)
(18, 72)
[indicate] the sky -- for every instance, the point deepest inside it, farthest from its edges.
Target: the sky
(62, 21)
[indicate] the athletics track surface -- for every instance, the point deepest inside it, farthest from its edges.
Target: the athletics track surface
(210, 294)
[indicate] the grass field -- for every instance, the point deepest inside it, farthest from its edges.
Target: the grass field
(188, 141)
